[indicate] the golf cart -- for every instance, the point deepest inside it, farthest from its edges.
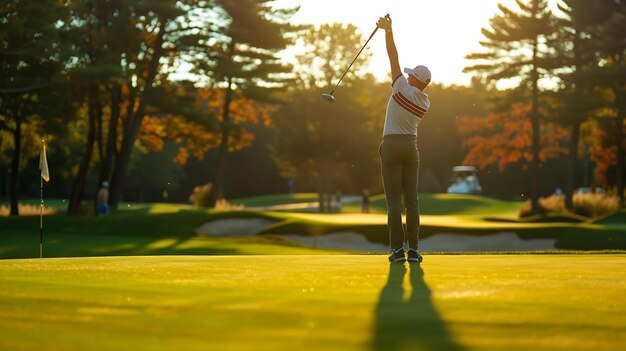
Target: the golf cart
(464, 181)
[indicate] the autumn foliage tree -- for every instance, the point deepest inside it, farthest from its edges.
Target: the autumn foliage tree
(518, 44)
(505, 138)
(246, 64)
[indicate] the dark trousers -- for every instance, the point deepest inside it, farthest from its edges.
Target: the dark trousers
(400, 162)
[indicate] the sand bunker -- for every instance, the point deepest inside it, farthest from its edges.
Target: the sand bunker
(437, 243)
(442, 242)
(505, 241)
(234, 227)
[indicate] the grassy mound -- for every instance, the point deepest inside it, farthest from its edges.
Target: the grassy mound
(272, 200)
(445, 204)
(478, 302)
(618, 218)
(558, 217)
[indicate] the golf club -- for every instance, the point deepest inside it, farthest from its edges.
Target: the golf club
(330, 97)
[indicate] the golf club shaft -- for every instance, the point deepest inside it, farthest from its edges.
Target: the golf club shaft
(357, 56)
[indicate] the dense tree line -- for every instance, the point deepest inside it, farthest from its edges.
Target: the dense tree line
(157, 97)
(102, 72)
(579, 50)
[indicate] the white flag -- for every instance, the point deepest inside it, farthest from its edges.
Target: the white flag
(43, 163)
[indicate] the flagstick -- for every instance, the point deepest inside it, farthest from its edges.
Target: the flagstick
(41, 214)
(41, 220)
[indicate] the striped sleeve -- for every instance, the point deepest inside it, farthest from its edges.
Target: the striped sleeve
(408, 105)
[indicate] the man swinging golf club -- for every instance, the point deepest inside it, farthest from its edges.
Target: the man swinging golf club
(398, 152)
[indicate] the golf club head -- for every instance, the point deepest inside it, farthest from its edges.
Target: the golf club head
(328, 97)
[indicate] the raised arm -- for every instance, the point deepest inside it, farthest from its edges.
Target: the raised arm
(392, 52)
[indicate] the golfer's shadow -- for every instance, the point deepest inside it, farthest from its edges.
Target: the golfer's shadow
(413, 324)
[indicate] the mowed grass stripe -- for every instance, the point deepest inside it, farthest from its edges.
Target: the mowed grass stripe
(460, 302)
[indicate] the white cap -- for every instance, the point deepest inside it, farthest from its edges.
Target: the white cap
(422, 73)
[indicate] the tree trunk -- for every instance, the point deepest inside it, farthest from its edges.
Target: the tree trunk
(570, 178)
(107, 160)
(619, 140)
(578, 113)
(133, 122)
(78, 190)
(218, 184)
(119, 171)
(99, 124)
(536, 147)
(15, 165)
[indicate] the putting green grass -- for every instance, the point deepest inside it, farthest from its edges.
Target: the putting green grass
(460, 302)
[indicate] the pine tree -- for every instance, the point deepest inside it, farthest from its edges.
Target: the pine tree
(518, 47)
(246, 58)
(31, 72)
(576, 54)
(611, 45)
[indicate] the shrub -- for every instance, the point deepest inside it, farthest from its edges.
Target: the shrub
(201, 195)
(588, 205)
(27, 210)
(595, 205)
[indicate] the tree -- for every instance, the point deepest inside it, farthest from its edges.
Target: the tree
(576, 54)
(102, 33)
(327, 51)
(31, 62)
(612, 74)
(246, 58)
(518, 45)
(312, 144)
(505, 138)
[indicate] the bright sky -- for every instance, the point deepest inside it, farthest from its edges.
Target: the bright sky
(435, 33)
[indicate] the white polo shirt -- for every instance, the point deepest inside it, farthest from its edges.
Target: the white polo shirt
(405, 109)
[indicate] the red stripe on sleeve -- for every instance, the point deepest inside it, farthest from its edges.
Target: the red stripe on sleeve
(407, 107)
(410, 103)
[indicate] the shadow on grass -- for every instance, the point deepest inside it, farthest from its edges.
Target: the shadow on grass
(26, 245)
(413, 324)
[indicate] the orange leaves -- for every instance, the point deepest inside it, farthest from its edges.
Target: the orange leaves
(242, 109)
(192, 138)
(195, 139)
(504, 138)
(152, 133)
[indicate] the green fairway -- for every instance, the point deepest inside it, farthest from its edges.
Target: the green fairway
(169, 229)
(273, 200)
(451, 302)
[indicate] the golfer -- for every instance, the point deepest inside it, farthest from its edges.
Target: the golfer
(398, 152)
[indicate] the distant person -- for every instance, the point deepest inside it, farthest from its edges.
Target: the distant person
(558, 191)
(365, 206)
(338, 196)
(290, 186)
(399, 156)
(103, 199)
